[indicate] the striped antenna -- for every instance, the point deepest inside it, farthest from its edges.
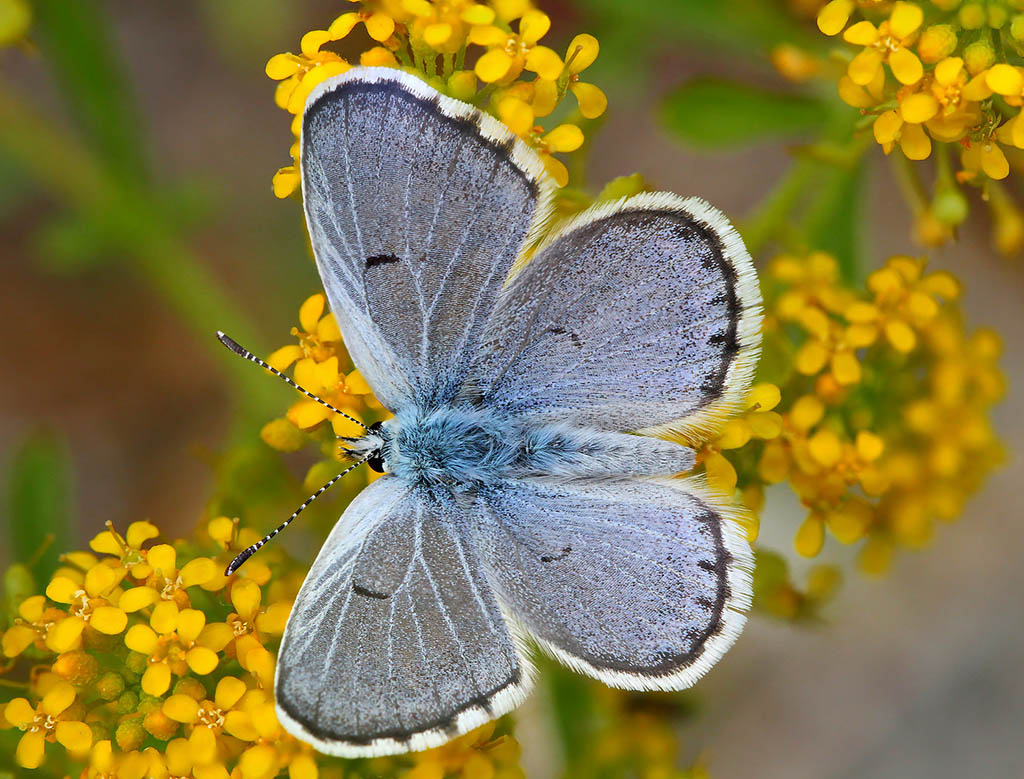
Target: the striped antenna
(237, 349)
(249, 551)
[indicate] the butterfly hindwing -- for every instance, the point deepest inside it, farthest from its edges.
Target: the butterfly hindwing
(417, 207)
(643, 314)
(641, 584)
(396, 641)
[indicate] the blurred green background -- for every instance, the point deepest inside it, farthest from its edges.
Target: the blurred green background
(137, 143)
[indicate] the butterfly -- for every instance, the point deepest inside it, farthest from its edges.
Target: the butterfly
(534, 375)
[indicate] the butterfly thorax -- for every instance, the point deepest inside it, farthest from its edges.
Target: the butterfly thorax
(469, 447)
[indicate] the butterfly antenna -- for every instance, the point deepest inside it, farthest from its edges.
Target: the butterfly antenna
(241, 352)
(249, 551)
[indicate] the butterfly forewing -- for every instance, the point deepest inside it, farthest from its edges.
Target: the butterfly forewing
(417, 207)
(396, 641)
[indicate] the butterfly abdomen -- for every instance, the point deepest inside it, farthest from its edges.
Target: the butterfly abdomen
(465, 448)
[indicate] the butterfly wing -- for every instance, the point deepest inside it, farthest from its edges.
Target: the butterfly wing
(417, 207)
(395, 641)
(641, 584)
(643, 314)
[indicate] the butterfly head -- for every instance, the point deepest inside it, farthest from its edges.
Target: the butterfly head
(372, 447)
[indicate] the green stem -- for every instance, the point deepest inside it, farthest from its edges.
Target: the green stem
(772, 214)
(909, 183)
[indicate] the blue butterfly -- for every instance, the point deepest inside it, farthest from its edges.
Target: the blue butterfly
(527, 500)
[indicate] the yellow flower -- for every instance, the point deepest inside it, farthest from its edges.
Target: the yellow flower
(176, 642)
(888, 43)
(90, 601)
(508, 54)
(579, 56)
(251, 626)
(127, 548)
(206, 720)
(318, 358)
(166, 582)
(47, 722)
(444, 26)
(47, 628)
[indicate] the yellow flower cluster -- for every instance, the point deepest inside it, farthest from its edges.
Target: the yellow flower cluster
(883, 426)
(437, 40)
(943, 72)
(143, 660)
(322, 366)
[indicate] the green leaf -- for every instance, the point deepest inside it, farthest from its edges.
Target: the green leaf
(38, 503)
(714, 114)
(76, 39)
(834, 223)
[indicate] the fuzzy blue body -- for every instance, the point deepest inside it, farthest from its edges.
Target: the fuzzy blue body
(468, 448)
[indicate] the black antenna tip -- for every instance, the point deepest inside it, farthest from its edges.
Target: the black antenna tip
(230, 343)
(235, 564)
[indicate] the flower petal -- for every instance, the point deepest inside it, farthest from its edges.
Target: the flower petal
(864, 66)
(65, 635)
(29, 753)
(592, 100)
(140, 532)
(834, 16)
(861, 34)
(19, 712)
(380, 26)
(106, 543)
(137, 598)
(282, 66)
(905, 19)
(62, 590)
(905, 66)
(181, 708)
(1004, 80)
(533, 26)
(246, 597)
(17, 639)
(141, 639)
(163, 558)
(544, 62)
(493, 65)
(157, 679)
(564, 138)
(343, 25)
(60, 696)
(914, 142)
(516, 114)
(99, 579)
(190, 624)
(76, 737)
(919, 107)
(198, 571)
(581, 53)
(215, 636)
(164, 618)
(109, 620)
(436, 35)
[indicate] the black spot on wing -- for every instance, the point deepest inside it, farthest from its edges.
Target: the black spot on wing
(380, 259)
(553, 557)
(369, 593)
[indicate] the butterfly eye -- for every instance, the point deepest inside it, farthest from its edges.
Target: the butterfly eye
(376, 460)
